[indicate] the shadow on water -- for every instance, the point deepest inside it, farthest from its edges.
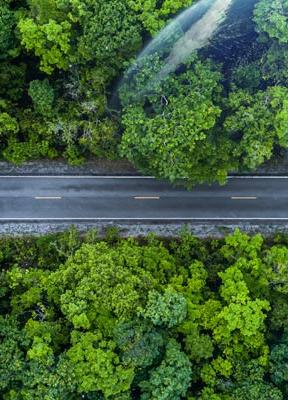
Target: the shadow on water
(235, 36)
(219, 29)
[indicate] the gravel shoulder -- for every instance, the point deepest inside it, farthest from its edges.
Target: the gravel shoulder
(276, 166)
(139, 230)
(60, 167)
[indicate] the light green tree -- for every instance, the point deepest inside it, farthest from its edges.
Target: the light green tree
(42, 95)
(51, 42)
(96, 366)
(168, 309)
(153, 14)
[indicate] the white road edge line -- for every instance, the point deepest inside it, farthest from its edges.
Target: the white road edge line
(124, 177)
(147, 197)
(258, 177)
(74, 177)
(147, 219)
(48, 198)
(244, 198)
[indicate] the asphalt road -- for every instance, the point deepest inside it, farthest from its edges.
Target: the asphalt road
(141, 198)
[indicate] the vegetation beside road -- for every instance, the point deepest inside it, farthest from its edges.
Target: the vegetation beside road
(151, 319)
(60, 62)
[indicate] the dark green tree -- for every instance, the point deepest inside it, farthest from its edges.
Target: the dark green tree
(171, 380)
(8, 47)
(278, 366)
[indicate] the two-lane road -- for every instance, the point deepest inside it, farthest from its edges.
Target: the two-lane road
(140, 198)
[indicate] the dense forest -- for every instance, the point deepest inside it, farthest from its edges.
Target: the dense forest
(61, 62)
(87, 318)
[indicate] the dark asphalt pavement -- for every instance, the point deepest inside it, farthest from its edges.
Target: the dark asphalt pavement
(104, 198)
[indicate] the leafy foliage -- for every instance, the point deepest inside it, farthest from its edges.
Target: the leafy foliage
(62, 63)
(42, 96)
(173, 134)
(153, 14)
(185, 319)
(171, 379)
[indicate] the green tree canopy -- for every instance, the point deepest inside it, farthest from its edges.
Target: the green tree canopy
(173, 135)
(271, 18)
(123, 319)
(258, 123)
(171, 380)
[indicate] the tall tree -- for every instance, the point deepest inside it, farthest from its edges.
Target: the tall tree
(169, 132)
